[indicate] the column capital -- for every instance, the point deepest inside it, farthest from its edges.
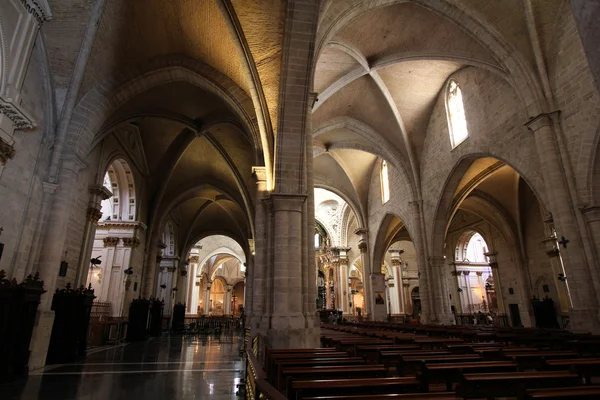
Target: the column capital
(542, 120)
(93, 214)
(49, 188)
(110, 241)
(287, 202)
(132, 242)
(194, 259)
(259, 173)
(100, 192)
(362, 246)
(7, 151)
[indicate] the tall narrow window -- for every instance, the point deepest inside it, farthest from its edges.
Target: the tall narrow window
(385, 183)
(456, 115)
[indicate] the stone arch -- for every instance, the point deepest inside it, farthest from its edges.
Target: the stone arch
(444, 209)
(356, 209)
(521, 76)
(3, 59)
(382, 242)
(97, 105)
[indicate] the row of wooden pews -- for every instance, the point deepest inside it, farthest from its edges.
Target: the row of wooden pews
(385, 361)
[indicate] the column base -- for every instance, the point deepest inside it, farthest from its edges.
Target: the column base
(584, 320)
(288, 331)
(40, 339)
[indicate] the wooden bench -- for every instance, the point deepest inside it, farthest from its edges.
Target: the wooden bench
(291, 374)
(408, 396)
(513, 384)
(371, 352)
(301, 356)
(450, 373)
(388, 358)
(575, 393)
(276, 376)
(470, 347)
(408, 364)
(536, 359)
(338, 387)
(585, 367)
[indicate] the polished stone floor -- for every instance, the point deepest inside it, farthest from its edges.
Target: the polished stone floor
(166, 368)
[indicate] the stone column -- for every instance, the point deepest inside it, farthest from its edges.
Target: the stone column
(181, 273)
(258, 271)
(408, 304)
(51, 256)
(133, 243)
(206, 300)
(227, 300)
(344, 288)
(363, 247)
(497, 284)
(397, 274)
(584, 310)
(337, 285)
(441, 299)
(288, 322)
(97, 194)
(191, 286)
(456, 280)
(469, 295)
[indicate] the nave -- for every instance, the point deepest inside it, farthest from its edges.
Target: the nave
(171, 367)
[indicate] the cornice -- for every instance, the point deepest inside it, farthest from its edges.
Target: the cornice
(20, 119)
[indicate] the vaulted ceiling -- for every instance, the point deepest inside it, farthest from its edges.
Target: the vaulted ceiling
(382, 65)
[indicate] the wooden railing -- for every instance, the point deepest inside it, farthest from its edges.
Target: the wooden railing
(257, 386)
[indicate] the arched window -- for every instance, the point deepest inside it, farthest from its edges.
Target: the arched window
(385, 183)
(317, 240)
(457, 122)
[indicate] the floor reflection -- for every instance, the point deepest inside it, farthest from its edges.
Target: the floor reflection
(166, 368)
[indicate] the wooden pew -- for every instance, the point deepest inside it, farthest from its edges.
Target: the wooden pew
(512, 384)
(436, 342)
(585, 367)
(536, 359)
(408, 364)
(301, 356)
(371, 351)
(407, 396)
(450, 373)
(291, 374)
(571, 393)
(388, 358)
(462, 348)
(339, 387)
(276, 376)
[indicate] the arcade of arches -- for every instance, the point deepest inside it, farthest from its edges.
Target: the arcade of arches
(433, 161)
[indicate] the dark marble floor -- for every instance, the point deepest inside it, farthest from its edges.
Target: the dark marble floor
(166, 368)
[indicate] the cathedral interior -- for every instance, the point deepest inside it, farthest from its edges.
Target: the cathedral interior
(194, 191)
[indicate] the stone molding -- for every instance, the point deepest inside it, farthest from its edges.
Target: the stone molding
(93, 214)
(110, 241)
(132, 242)
(100, 191)
(39, 9)
(108, 225)
(194, 259)
(542, 120)
(7, 152)
(20, 119)
(260, 173)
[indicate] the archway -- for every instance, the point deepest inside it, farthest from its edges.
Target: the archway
(498, 242)
(114, 238)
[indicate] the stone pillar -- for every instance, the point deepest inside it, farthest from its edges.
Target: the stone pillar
(457, 295)
(227, 300)
(584, 311)
(397, 274)
(441, 299)
(182, 271)
(51, 256)
(337, 285)
(408, 304)
(344, 287)
(258, 273)
(97, 194)
(206, 301)
(497, 284)
(469, 295)
(363, 247)
(133, 243)
(288, 327)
